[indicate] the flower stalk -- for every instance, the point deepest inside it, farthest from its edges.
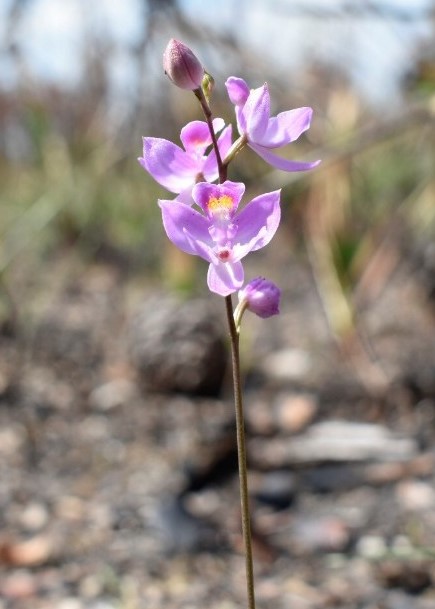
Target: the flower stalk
(241, 453)
(205, 106)
(238, 394)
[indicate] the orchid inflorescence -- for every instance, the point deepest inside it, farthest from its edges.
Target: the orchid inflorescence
(204, 218)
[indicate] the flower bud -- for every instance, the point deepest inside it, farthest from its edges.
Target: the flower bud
(182, 66)
(260, 296)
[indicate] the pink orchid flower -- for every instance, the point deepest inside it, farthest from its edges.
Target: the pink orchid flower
(264, 132)
(218, 232)
(179, 170)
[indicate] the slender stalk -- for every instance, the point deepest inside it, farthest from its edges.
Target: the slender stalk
(241, 453)
(209, 118)
(235, 358)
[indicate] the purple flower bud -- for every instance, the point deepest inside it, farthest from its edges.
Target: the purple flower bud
(260, 296)
(182, 66)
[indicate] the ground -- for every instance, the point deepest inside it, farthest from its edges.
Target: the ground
(116, 495)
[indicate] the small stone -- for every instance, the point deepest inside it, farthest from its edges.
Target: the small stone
(18, 585)
(328, 534)
(295, 411)
(415, 495)
(288, 365)
(276, 489)
(371, 547)
(34, 516)
(30, 552)
(112, 394)
(70, 603)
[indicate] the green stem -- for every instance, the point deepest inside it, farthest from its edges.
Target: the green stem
(241, 453)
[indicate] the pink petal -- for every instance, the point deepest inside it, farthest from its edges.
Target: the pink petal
(186, 228)
(238, 90)
(254, 117)
(286, 127)
(257, 223)
(203, 192)
(196, 135)
(224, 278)
(210, 168)
(168, 164)
(280, 163)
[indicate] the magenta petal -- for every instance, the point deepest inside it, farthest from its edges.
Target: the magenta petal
(196, 135)
(254, 116)
(203, 192)
(210, 169)
(186, 228)
(280, 163)
(168, 164)
(224, 278)
(238, 90)
(286, 127)
(257, 223)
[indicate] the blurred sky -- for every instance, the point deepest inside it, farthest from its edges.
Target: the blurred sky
(376, 48)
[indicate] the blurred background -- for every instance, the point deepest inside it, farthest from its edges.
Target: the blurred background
(97, 416)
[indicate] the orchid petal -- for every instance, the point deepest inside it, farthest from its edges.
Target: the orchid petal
(280, 163)
(286, 127)
(254, 116)
(168, 164)
(203, 192)
(210, 169)
(238, 90)
(224, 278)
(257, 223)
(186, 228)
(196, 135)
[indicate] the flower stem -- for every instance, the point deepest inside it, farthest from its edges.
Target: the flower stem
(235, 357)
(209, 118)
(241, 453)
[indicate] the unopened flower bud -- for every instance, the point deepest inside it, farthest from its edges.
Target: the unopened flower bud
(260, 296)
(182, 66)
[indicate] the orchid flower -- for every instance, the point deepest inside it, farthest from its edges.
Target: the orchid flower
(179, 170)
(263, 132)
(218, 232)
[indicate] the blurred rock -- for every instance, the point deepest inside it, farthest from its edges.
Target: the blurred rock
(334, 441)
(178, 347)
(415, 495)
(276, 489)
(295, 411)
(18, 585)
(112, 394)
(34, 516)
(288, 365)
(411, 576)
(328, 534)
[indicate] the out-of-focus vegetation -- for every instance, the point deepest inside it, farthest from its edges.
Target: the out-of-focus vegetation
(71, 186)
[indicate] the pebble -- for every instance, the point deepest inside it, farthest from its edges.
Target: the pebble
(34, 516)
(327, 534)
(288, 365)
(415, 495)
(276, 489)
(294, 412)
(70, 603)
(18, 585)
(371, 547)
(112, 394)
